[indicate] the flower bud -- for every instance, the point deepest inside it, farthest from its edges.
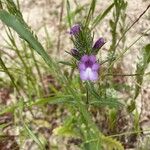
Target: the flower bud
(98, 44)
(75, 29)
(74, 52)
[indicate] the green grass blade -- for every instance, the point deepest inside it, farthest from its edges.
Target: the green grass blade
(59, 99)
(91, 12)
(101, 16)
(24, 32)
(69, 18)
(92, 7)
(26, 128)
(2, 64)
(33, 136)
(78, 10)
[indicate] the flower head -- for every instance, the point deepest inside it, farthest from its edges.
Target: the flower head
(99, 43)
(88, 68)
(75, 29)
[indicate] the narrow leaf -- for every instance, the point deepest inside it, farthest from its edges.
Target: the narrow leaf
(141, 67)
(24, 32)
(101, 16)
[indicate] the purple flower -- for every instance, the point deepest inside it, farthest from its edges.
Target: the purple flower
(88, 68)
(74, 52)
(99, 43)
(75, 29)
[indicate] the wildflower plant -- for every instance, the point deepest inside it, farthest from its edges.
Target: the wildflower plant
(85, 52)
(84, 94)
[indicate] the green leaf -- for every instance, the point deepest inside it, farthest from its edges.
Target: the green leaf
(136, 121)
(101, 16)
(110, 102)
(111, 144)
(26, 128)
(92, 7)
(8, 109)
(69, 18)
(59, 99)
(140, 69)
(75, 12)
(66, 63)
(90, 12)
(24, 32)
(68, 128)
(13, 9)
(112, 119)
(33, 136)
(111, 24)
(101, 100)
(4, 125)
(131, 107)
(5, 69)
(83, 41)
(147, 53)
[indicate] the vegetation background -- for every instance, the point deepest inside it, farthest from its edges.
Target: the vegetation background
(34, 108)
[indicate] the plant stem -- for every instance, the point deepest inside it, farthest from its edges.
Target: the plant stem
(121, 55)
(132, 25)
(136, 74)
(60, 26)
(38, 70)
(9, 74)
(129, 133)
(87, 95)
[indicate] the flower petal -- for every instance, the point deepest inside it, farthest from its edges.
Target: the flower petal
(88, 68)
(93, 76)
(84, 58)
(84, 75)
(95, 67)
(88, 74)
(92, 58)
(82, 66)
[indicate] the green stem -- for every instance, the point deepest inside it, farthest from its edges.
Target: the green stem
(87, 93)
(122, 54)
(136, 74)
(87, 96)
(28, 71)
(129, 133)
(38, 71)
(9, 74)
(132, 25)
